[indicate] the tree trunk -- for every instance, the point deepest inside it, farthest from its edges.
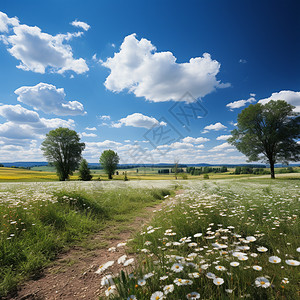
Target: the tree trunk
(109, 176)
(272, 170)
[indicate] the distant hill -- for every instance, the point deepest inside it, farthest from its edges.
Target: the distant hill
(26, 164)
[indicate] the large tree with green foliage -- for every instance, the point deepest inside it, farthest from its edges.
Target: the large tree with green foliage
(269, 133)
(84, 171)
(62, 148)
(109, 160)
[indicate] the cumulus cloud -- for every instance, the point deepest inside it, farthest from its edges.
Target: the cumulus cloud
(138, 120)
(19, 114)
(38, 51)
(221, 147)
(290, 97)
(88, 134)
(240, 103)
(49, 99)
(156, 76)
(192, 140)
(223, 137)
(217, 126)
(5, 22)
(91, 128)
(81, 24)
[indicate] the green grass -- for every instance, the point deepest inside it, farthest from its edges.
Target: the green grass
(36, 226)
(229, 211)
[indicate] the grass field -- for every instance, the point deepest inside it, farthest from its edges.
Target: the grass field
(38, 220)
(225, 239)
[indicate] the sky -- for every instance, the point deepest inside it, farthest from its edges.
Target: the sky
(155, 81)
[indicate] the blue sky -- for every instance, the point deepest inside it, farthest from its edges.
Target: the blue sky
(156, 81)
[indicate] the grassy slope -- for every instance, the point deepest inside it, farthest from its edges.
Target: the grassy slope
(36, 225)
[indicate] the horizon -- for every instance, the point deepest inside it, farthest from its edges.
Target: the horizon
(156, 82)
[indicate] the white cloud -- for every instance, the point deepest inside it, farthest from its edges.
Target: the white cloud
(38, 51)
(88, 134)
(156, 76)
(192, 140)
(49, 99)
(81, 24)
(217, 126)
(223, 137)
(5, 22)
(138, 120)
(221, 147)
(19, 114)
(243, 61)
(240, 103)
(104, 117)
(290, 97)
(91, 128)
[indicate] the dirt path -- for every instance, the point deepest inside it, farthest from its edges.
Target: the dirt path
(73, 276)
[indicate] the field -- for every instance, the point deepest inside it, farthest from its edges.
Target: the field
(46, 173)
(215, 239)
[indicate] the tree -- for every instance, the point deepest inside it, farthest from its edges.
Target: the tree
(268, 132)
(84, 171)
(62, 148)
(109, 161)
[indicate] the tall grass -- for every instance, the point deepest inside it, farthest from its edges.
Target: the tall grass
(34, 230)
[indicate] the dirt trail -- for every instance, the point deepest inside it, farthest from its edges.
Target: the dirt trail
(72, 276)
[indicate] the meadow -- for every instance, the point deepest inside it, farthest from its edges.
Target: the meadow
(225, 239)
(39, 220)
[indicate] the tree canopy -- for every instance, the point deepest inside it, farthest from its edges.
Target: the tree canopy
(84, 171)
(269, 133)
(62, 148)
(109, 161)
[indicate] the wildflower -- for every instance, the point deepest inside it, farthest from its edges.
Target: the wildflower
(179, 281)
(251, 238)
(274, 259)
(148, 275)
(148, 243)
(210, 275)
(197, 235)
(257, 268)
(163, 277)
(218, 281)
(112, 249)
(285, 280)
(168, 289)
(229, 291)
(192, 244)
(102, 268)
(177, 268)
(193, 295)
(128, 262)
(262, 249)
(157, 295)
(262, 282)
(292, 262)
(220, 268)
(234, 263)
(298, 249)
(141, 282)
(132, 297)
(107, 280)
(243, 257)
(194, 275)
(253, 254)
(122, 259)
(121, 245)
(110, 290)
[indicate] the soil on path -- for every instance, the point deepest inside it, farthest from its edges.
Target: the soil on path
(72, 276)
